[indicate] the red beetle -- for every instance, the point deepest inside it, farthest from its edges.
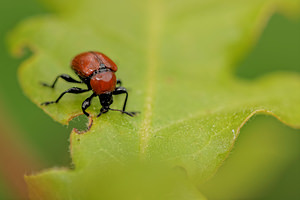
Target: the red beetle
(97, 71)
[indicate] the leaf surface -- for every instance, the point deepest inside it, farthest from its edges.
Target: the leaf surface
(177, 59)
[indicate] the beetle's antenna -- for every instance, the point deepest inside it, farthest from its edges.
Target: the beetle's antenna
(131, 114)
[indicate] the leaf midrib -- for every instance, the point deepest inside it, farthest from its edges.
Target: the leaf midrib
(155, 21)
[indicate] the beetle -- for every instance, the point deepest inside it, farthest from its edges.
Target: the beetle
(97, 71)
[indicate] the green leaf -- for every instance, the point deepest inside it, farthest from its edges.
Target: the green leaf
(263, 164)
(177, 58)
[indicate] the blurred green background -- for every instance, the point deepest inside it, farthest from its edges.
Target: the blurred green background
(265, 163)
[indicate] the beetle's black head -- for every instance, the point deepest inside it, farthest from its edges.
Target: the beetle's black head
(106, 100)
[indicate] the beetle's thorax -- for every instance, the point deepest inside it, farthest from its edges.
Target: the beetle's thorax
(103, 82)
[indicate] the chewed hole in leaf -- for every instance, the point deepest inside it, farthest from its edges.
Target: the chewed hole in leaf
(80, 123)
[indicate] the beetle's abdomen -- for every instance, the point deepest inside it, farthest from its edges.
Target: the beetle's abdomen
(86, 63)
(103, 82)
(107, 61)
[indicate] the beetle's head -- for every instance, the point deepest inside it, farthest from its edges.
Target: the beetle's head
(106, 100)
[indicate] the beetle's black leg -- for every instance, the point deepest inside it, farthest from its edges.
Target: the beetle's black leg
(122, 90)
(86, 104)
(74, 90)
(119, 82)
(66, 77)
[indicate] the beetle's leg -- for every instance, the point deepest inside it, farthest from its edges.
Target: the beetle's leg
(122, 90)
(73, 90)
(66, 77)
(86, 104)
(119, 82)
